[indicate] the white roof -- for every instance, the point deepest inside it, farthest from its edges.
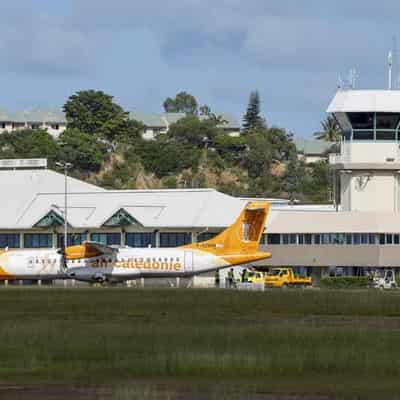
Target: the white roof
(204, 208)
(29, 195)
(365, 101)
(19, 189)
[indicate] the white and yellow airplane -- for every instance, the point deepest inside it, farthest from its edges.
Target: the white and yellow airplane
(94, 262)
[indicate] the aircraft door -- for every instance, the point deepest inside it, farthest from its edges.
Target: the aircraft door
(188, 261)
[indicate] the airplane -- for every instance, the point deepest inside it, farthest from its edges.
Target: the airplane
(95, 262)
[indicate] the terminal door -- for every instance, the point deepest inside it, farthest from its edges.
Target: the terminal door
(188, 261)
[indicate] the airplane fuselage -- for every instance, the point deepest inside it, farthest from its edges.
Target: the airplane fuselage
(91, 261)
(124, 264)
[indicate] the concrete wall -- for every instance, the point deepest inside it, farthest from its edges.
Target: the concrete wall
(371, 152)
(376, 191)
(333, 255)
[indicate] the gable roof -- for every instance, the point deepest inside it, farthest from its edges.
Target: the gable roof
(19, 189)
(177, 208)
(33, 115)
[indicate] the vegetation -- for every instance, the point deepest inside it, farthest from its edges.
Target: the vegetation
(330, 130)
(106, 148)
(345, 282)
(222, 343)
(252, 119)
(183, 102)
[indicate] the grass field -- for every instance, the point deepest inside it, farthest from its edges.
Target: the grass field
(201, 344)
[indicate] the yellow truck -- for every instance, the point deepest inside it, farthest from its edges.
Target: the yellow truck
(284, 278)
(255, 277)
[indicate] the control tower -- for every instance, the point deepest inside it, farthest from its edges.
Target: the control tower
(367, 169)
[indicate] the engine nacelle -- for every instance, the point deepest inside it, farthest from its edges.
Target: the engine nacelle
(86, 275)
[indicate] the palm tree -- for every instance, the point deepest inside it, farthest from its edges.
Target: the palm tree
(331, 130)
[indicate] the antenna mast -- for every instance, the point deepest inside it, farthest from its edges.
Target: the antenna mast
(390, 65)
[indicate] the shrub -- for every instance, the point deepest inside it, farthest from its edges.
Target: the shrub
(345, 282)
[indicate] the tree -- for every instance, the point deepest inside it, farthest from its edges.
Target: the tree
(121, 129)
(29, 143)
(252, 119)
(205, 110)
(260, 155)
(192, 131)
(89, 110)
(331, 130)
(183, 102)
(83, 150)
(292, 176)
(164, 158)
(317, 183)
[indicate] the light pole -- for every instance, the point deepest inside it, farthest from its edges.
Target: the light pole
(66, 166)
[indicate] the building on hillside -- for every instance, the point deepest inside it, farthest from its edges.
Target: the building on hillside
(156, 124)
(52, 120)
(311, 151)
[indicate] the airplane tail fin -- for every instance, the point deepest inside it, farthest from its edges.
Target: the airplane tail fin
(243, 236)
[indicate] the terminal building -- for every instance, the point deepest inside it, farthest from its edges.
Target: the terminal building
(363, 231)
(360, 231)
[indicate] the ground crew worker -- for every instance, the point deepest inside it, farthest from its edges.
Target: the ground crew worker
(370, 279)
(246, 275)
(231, 278)
(217, 278)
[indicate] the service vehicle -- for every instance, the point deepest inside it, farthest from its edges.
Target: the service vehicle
(284, 278)
(385, 279)
(255, 277)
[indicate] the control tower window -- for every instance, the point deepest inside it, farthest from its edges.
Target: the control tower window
(363, 125)
(361, 120)
(386, 124)
(387, 120)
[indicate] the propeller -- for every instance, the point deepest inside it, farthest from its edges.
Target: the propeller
(64, 266)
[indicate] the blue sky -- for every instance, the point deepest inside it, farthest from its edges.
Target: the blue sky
(219, 50)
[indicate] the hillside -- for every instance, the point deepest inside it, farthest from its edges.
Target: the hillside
(106, 148)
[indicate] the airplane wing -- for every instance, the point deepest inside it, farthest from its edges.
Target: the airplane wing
(88, 250)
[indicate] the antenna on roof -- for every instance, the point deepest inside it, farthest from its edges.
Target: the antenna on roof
(395, 64)
(339, 82)
(352, 78)
(390, 66)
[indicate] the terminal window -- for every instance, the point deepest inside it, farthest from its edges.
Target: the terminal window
(274, 238)
(140, 239)
(175, 239)
(206, 236)
(38, 240)
(72, 239)
(107, 238)
(10, 240)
